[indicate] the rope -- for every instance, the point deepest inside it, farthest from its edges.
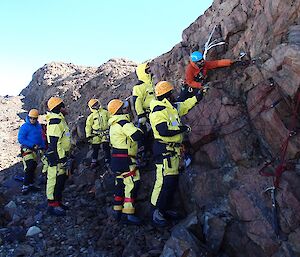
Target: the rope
(282, 166)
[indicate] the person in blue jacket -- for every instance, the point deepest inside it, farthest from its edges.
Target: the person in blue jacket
(30, 137)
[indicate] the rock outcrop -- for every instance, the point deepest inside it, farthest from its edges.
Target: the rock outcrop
(77, 84)
(246, 119)
(11, 115)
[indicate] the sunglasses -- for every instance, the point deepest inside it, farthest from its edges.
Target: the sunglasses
(32, 118)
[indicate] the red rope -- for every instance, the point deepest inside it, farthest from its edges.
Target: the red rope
(281, 167)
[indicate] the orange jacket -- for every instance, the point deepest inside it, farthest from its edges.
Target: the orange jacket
(193, 70)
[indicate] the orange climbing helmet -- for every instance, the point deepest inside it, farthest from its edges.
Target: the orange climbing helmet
(114, 105)
(33, 113)
(163, 87)
(92, 102)
(53, 102)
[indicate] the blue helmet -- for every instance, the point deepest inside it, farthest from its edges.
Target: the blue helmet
(196, 56)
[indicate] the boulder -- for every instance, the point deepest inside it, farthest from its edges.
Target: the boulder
(32, 231)
(183, 241)
(11, 209)
(24, 250)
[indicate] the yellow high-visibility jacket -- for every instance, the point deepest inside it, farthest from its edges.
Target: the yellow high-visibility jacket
(165, 119)
(97, 126)
(143, 92)
(58, 135)
(123, 135)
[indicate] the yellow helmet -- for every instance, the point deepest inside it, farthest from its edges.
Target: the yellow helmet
(92, 102)
(33, 113)
(53, 102)
(114, 105)
(163, 87)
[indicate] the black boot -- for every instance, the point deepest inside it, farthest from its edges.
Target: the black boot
(56, 211)
(34, 188)
(130, 219)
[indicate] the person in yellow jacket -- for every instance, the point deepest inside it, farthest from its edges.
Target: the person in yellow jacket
(59, 144)
(143, 94)
(97, 131)
(123, 139)
(168, 135)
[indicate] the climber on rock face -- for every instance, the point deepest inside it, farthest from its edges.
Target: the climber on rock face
(196, 73)
(143, 94)
(123, 139)
(31, 140)
(59, 144)
(165, 119)
(97, 131)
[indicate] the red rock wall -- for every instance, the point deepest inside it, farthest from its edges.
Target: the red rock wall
(234, 129)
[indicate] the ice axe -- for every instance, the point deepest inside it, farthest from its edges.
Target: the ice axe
(274, 209)
(209, 45)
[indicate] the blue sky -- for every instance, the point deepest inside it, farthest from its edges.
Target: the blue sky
(35, 32)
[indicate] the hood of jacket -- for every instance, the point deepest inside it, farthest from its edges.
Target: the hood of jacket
(141, 73)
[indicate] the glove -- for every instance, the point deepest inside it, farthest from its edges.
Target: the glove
(241, 63)
(52, 158)
(88, 139)
(199, 95)
(63, 160)
(185, 129)
(68, 165)
(205, 90)
(142, 120)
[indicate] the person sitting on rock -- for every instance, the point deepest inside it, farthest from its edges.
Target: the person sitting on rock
(31, 140)
(59, 144)
(196, 73)
(143, 94)
(97, 131)
(168, 135)
(123, 139)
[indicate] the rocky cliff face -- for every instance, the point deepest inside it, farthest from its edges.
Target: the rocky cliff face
(243, 121)
(11, 114)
